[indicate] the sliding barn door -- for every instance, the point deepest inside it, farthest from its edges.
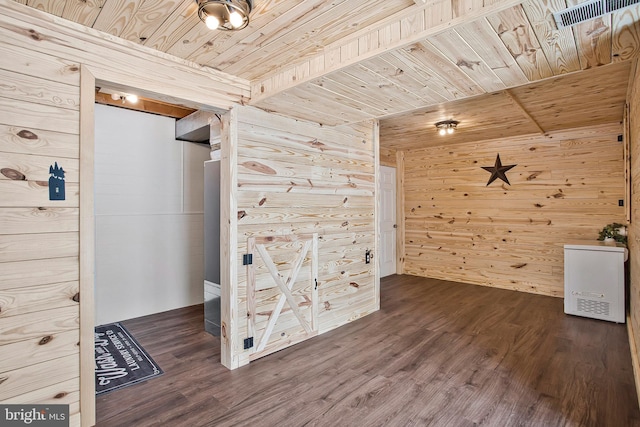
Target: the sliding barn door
(282, 291)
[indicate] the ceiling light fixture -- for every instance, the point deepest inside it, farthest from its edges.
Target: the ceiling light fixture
(224, 14)
(122, 97)
(447, 126)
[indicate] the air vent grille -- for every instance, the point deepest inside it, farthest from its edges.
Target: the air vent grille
(589, 10)
(596, 307)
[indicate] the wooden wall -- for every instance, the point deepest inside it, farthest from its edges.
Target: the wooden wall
(564, 187)
(634, 227)
(295, 177)
(40, 123)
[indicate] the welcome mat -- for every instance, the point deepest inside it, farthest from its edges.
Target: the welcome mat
(120, 360)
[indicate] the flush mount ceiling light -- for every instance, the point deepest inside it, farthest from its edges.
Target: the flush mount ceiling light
(224, 14)
(447, 126)
(124, 97)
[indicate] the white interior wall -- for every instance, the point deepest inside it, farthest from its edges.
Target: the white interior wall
(149, 216)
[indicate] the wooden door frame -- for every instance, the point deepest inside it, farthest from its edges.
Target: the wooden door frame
(88, 79)
(400, 221)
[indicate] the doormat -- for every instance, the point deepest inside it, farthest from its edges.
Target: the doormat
(120, 360)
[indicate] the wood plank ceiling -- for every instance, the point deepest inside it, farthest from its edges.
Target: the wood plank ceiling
(499, 67)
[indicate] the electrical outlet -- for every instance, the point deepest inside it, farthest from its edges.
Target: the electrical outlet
(620, 202)
(367, 256)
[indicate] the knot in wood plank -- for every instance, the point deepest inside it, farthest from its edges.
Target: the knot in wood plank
(259, 167)
(45, 340)
(13, 174)
(27, 134)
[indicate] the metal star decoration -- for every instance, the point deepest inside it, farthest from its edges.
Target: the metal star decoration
(498, 171)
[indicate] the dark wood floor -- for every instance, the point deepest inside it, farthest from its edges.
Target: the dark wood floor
(437, 353)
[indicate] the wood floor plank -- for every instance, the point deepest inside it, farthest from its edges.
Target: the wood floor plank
(437, 353)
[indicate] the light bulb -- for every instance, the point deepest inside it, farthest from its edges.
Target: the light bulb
(132, 98)
(442, 131)
(115, 96)
(212, 22)
(236, 19)
(449, 130)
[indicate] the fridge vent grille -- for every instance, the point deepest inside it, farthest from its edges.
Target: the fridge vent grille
(596, 307)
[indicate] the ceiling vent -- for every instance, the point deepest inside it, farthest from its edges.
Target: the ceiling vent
(589, 10)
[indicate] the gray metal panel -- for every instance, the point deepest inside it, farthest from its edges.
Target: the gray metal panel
(212, 221)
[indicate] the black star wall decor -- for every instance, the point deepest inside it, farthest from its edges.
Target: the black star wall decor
(498, 171)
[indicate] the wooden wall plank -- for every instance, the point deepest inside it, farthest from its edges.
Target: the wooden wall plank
(16, 139)
(38, 349)
(400, 213)
(64, 393)
(87, 248)
(32, 193)
(510, 236)
(228, 240)
(20, 381)
(26, 114)
(38, 272)
(633, 99)
(18, 86)
(296, 177)
(38, 220)
(35, 64)
(38, 298)
(22, 247)
(36, 168)
(38, 324)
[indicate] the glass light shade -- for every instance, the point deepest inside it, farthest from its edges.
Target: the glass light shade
(235, 19)
(450, 130)
(212, 22)
(132, 98)
(442, 131)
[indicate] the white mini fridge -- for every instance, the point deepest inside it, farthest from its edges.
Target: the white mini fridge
(594, 280)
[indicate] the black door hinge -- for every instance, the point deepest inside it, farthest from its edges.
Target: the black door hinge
(247, 259)
(248, 343)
